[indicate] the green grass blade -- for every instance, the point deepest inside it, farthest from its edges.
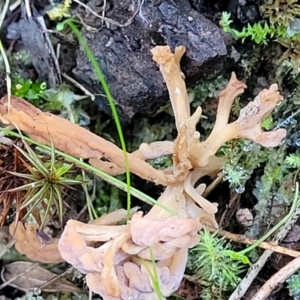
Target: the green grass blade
(25, 187)
(49, 205)
(66, 182)
(153, 276)
(37, 198)
(108, 178)
(59, 203)
(63, 170)
(28, 186)
(33, 159)
(52, 155)
(101, 78)
(36, 161)
(22, 175)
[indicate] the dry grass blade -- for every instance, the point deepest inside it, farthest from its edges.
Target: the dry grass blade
(33, 159)
(10, 162)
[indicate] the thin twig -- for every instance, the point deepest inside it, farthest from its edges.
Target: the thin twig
(55, 278)
(289, 118)
(15, 5)
(41, 21)
(241, 238)
(7, 247)
(58, 51)
(129, 21)
(28, 10)
(6, 283)
(103, 10)
(231, 208)
(212, 186)
(277, 278)
(86, 26)
(77, 84)
(255, 268)
(141, 12)
(251, 275)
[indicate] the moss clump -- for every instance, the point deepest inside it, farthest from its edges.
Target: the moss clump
(280, 12)
(218, 272)
(294, 286)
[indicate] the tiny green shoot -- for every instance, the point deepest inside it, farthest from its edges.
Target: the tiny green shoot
(153, 275)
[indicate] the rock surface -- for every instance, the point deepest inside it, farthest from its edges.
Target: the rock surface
(124, 52)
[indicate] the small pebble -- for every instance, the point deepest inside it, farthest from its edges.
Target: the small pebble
(244, 217)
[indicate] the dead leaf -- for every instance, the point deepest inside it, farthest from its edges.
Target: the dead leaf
(244, 216)
(34, 278)
(294, 235)
(29, 244)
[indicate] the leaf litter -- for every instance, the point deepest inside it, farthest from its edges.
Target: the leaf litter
(29, 277)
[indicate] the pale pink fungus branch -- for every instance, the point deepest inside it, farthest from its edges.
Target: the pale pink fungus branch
(119, 267)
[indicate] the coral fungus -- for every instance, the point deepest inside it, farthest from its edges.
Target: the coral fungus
(121, 267)
(150, 251)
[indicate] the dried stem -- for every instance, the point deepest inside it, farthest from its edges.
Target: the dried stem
(277, 278)
(108, 20)
(240, 238)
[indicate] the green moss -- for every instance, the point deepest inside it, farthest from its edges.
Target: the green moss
(260, 33)
(27, 89)
(294, 286)
(292, 53)
(218, 272)
(208, 88)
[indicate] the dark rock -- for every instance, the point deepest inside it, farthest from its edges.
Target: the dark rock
(124, 52)
(211, 6)
(38, 45)
(248, 14)
(67, 59)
